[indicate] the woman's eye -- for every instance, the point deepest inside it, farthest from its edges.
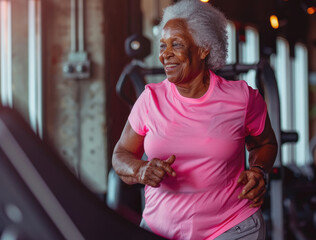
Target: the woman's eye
(177, 44)
(162, 46)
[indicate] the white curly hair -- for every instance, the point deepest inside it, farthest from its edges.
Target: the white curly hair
(207, 26)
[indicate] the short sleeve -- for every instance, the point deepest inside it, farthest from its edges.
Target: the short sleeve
(138, 115)
(256, 113)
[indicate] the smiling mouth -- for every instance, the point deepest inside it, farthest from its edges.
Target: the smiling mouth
(170, 67)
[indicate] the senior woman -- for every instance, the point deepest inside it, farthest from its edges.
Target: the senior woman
(193, 127)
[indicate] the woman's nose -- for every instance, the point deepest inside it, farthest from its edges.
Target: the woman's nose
(167, 53)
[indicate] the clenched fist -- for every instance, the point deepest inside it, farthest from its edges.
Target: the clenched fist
(152, 172)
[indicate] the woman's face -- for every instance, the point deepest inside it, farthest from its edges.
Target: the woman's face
(181, 58)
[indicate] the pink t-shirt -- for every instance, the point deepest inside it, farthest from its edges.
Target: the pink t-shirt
(207, 136)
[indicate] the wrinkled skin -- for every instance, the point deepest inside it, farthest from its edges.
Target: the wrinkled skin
(154, 171)
(183, 60)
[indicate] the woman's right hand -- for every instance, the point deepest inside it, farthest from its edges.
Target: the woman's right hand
(153, 172)
(127, 162)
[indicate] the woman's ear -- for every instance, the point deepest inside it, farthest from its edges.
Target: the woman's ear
(203, 53)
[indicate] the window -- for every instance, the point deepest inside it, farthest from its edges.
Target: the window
(231, 35)
(300, 75)
(249, 54)
(293, 90)
(11, 44)
(281, 63)
(35, 66)
(6, 53)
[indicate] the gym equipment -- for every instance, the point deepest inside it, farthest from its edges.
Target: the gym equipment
(121, 197)
(135, 72)
(41, 198)
(136, 47)
(300, 202)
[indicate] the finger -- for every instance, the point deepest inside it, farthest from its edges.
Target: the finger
(154, 162)
(169, 169)
(154, 178)
(164, 165)
(255, 194)
(157, 171)
(242, 178)
(247, 188)
(152, 183)
(152, 172)
(259, 197)
(166, 168)
(258, 204)
(171, 159)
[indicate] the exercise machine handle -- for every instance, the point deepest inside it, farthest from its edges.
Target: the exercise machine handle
(289, 137)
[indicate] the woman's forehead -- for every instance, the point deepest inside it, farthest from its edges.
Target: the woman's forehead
(177, 24)
(176, 27)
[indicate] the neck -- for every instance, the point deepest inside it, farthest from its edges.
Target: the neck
(197, 87)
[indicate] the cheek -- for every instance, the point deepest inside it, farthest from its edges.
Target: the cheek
(185, 61)
(183, 57)
(161, 58)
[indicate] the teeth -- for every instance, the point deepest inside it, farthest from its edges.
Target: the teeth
(171, 65)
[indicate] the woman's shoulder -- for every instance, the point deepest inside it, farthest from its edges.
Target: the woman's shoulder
(233, 86)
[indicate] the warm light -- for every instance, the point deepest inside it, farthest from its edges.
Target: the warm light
(205, 1)
(311, 10)
(274, 21)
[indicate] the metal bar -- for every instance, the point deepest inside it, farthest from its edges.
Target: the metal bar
(80, 26)
(35, 67)
(3, 32)
(32, 76)
(9, 57)
(266, 74)
(39, 75)
(301, 104)
(73, 26)
(6, 53)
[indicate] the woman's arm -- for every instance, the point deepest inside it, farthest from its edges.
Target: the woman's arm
(128, 165)
(263, 148)
(262, 153)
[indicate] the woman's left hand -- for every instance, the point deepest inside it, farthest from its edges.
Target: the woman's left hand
(254, 186)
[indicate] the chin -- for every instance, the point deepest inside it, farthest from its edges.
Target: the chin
(173, 78)
(170, 79)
